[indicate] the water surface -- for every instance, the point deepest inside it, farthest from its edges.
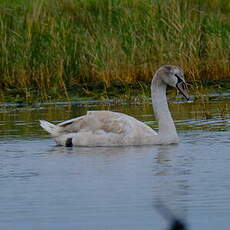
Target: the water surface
(43, 186)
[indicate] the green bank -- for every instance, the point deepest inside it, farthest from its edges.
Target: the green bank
(51, 49)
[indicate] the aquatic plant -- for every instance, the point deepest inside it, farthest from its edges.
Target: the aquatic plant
(51, 47)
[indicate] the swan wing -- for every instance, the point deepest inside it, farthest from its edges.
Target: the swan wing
(106, 121)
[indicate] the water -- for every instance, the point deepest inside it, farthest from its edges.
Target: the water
(44, 187)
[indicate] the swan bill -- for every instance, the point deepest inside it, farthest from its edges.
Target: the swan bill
(182, 87)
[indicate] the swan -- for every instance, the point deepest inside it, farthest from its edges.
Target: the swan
(107, 128)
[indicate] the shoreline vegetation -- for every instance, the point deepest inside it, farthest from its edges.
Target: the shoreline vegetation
(52, 49)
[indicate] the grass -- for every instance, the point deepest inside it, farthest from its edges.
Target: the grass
(50, 48)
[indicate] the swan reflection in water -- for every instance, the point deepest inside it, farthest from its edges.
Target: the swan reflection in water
(154, 173)
(168, 171)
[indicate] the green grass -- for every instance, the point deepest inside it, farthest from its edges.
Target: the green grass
(52, 47)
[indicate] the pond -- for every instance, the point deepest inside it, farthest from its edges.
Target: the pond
(44, 186)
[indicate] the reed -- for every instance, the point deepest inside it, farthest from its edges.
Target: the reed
(49, 47)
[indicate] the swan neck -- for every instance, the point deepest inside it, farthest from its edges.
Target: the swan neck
(160, 106)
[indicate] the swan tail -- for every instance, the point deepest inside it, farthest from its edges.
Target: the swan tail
(52, 129)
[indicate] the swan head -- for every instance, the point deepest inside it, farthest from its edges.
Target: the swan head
(174, 77)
